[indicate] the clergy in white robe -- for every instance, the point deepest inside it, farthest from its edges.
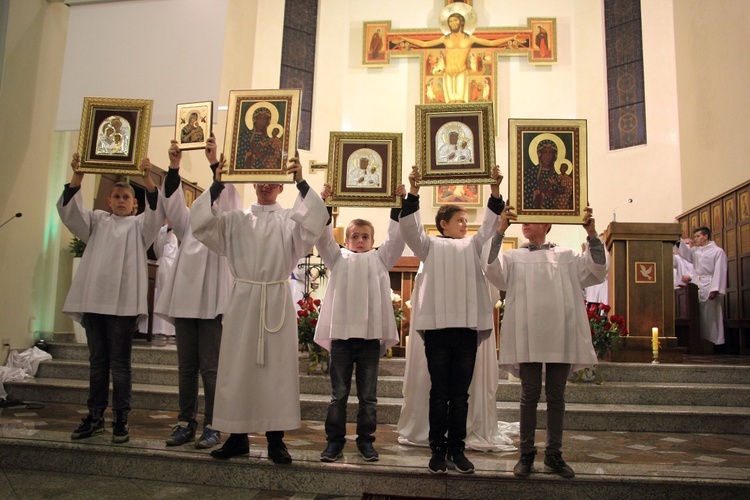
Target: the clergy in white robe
(710, 274)
(194, 298)
(258, 379)
(356, 325)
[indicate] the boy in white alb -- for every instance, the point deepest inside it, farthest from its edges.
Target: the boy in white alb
(545, 323)
(451, 328)
(110, 291)
(356, 324)
(194, 298)
(257, 386)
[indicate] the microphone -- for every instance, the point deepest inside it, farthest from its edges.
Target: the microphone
(19, 214)
(614, 211)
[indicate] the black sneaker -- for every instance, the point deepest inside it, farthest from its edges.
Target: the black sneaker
(457, 460)
(437, 462)
(555, 463)
(89, 427)
(332, 452)
(368, 453)
(278, 453)
(525, 465)
(120, 432)
(181, 434)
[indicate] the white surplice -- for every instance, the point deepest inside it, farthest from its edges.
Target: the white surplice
(199, 284)
(257, 387)
(545, 320)
(483, 431)
(598, 293)
(165, 249)
(357, 302)
(710, 274)
(112, 276)
(452, 291)
(681, 268)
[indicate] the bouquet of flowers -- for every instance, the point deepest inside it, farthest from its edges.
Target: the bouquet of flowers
(307, 318)
(606, 332)
(398, 311)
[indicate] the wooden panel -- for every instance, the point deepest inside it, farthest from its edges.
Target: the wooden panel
(705, 219)
(716, 219)
(745, 239)
(730, 211)
(730, 244)
(645, 300)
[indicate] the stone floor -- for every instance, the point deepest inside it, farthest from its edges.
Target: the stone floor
(646, 454)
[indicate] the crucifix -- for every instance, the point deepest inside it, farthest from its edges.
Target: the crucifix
(458, 64)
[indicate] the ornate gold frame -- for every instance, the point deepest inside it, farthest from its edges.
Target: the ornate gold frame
(284, 106)
(548, 203)
(431, 122)
(345, 150)
(98, 148)
(205, 111)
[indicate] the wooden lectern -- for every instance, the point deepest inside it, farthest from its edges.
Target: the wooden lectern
(641, 287)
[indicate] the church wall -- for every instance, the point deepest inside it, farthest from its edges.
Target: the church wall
(348, 96)
(712, 69)
(29, 247)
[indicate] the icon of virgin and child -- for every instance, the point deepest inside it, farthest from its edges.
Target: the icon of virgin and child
(259, 148)
(547, 183)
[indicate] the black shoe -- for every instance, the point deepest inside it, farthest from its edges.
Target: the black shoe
(89, 427)
(236, 445)
(332, 452)
(437, 462)
(525, 464)
(278, 453)
(120, 432)
(181, 434)
(457, 460)
(368, 453)
(555, 463)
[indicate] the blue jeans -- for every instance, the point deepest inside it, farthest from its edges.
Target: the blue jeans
(554, 390)
(344, 355)
(198, 342)
(451, 354)
(110, 341)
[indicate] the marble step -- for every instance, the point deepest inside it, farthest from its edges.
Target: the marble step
(395, 474)
(612, 372)
(579, 416)
(649, 393)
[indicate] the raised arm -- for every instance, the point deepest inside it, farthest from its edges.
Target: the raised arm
(410, 221)
(76, 218)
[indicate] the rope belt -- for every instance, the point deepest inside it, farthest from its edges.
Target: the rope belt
(262, 327)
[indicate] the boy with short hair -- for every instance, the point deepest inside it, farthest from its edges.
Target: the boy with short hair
(109, 291)
(451, 328)
(194, 297)
(541, 327)
(356, 324)
(257, 385)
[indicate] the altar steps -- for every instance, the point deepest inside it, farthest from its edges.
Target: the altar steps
(634, 397)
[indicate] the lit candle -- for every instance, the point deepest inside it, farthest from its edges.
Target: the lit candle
(655, 339)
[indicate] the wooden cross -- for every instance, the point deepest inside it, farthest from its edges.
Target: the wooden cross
(458, 64)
